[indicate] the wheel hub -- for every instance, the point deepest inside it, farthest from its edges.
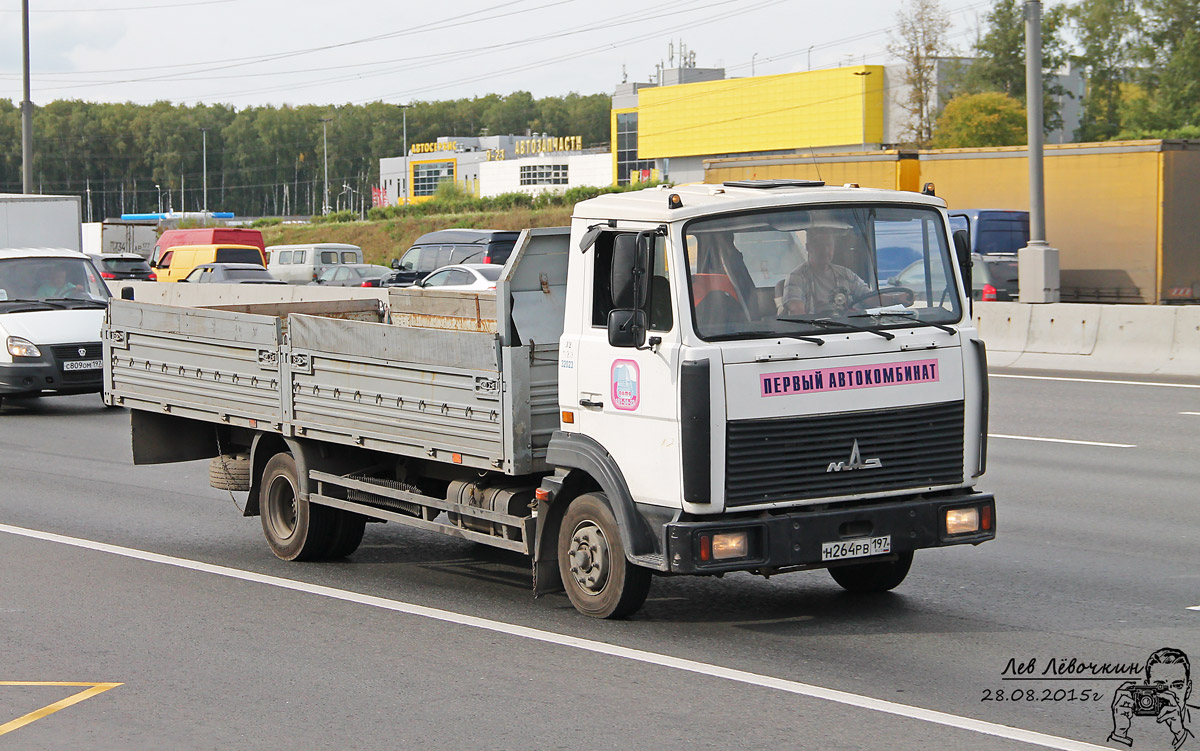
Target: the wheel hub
(589, 558)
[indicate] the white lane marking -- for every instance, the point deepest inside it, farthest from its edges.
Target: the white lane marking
(1194, 607)
(1063, 440)
(1189, 413)
(587, 645)
(1097, 380)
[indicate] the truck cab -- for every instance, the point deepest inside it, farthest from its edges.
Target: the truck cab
(775, 408)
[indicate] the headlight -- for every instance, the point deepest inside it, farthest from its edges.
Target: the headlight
(961, 521)
(18, 347)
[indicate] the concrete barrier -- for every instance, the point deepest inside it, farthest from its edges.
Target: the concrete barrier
(1133, 339)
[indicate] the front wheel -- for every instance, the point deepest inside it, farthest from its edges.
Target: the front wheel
(599, 580)
(295, 529)
(873, 577)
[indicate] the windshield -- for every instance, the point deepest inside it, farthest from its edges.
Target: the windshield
(50, 278)
(124, 264)
(490, 272)
(248, 274)
(817, 270)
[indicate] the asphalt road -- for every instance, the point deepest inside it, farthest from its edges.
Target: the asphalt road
(419, 641)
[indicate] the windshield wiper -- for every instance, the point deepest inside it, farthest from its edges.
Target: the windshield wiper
(80, 301)
(35, 301)
(827, 323)
(911, 314)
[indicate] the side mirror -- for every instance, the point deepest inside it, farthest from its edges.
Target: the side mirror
(127, 293)
(626, 327)
(628, 280)
(962, 250)
(396, 264)
(153, 264)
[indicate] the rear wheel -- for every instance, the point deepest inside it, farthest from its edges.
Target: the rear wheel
(295, 529)
(347, 533)
(873, 577)
(591, 561)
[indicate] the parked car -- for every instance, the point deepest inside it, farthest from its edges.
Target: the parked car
(115, 266)
(179, 261)
(302, 264)
(354, 275)
(993, 277)
(231, 273)
(452, 246)
(52, 304)
(472, 276)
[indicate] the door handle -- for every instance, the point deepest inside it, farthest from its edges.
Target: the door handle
(590, 403)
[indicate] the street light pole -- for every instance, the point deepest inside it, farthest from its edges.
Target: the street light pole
(405, 180)
(325, 148)
(159, 189)
(863, 75)
(1037, 262)
(204, 147)
(26, 110)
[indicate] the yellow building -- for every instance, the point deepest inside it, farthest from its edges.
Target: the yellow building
(671, 129)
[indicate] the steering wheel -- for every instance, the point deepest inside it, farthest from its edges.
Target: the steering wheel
(854, 302)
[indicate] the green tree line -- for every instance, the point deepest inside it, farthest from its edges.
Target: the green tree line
(1140, 61)
(260, 160)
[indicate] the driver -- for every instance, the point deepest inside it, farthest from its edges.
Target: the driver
(818, 285)
(57, 285)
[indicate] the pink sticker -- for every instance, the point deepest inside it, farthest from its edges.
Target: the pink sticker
(626, 386)
(852, 377)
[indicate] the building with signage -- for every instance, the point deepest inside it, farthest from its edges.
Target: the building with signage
(491, 165)
(667, 131)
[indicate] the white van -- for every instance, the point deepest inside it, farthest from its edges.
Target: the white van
(52, 304)
(302, 264)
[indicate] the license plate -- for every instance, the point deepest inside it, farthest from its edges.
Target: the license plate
(861, 548)
(83, 365)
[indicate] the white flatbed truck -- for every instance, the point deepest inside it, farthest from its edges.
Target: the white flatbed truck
(654, 393)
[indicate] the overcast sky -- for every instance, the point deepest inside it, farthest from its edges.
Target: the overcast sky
(249, 52)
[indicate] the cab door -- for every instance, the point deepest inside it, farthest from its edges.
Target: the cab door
(627, 397)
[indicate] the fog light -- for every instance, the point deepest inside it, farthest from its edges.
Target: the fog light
(730, 545)
(961, 521)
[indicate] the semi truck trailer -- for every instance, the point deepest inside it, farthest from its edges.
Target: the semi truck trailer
(688, 380)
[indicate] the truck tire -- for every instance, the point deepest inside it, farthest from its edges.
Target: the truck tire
(873, 577)
(229, 472)
(295, 529)
(347, 533)
(599, 580)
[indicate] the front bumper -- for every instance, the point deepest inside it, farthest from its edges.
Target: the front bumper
(37, 374)
(793, 540)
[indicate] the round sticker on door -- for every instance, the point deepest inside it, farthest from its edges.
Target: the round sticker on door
(625, 385)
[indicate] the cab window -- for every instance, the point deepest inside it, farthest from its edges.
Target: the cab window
(658, 306)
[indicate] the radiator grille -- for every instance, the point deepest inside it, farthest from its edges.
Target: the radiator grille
(782, 459)
(67, 352)
(92, 351)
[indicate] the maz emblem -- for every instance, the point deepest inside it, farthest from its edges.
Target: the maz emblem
(856, 462)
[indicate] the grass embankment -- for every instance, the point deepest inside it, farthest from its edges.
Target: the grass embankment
(385, 239)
